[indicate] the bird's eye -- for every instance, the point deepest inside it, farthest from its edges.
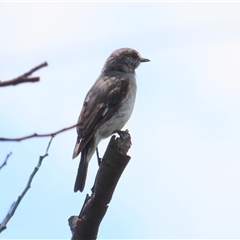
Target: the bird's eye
(135, 56)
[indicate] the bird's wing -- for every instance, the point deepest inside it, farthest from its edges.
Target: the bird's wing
(100, 104)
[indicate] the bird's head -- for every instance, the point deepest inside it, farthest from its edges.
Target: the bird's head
(124, 60)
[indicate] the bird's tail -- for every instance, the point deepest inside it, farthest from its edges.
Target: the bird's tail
(77, 149)
(82, 171)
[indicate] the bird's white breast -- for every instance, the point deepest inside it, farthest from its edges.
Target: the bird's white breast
(121, 117)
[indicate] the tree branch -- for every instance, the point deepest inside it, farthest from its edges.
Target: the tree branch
(115, 159)
(14, 206)
(38, 135)
(24, 78)
(5, 161)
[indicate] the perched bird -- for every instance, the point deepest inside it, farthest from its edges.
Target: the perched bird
(107, 106)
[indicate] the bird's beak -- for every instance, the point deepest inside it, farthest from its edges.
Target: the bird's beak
(144, 60)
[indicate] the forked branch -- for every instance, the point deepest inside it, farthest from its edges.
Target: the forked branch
(53, 134)
(24, 78)
(14, 206)
(5, 161)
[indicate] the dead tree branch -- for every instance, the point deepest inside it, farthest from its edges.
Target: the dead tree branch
(37, 135)
(24, 78)
(115, 159)
(14, 206)
(5, 161)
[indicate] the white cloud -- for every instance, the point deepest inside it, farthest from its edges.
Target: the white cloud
(203, 12)
(35, 26)
(219, 66)
(224, 66)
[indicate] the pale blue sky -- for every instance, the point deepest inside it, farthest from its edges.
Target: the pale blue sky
(183, 178)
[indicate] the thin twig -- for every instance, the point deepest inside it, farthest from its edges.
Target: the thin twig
(5, 161)
(14, 206)
(38, 135)
(24, 78)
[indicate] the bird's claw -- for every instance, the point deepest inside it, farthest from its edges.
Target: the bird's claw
(122, 134)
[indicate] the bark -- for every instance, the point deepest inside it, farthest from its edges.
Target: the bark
(115, 159)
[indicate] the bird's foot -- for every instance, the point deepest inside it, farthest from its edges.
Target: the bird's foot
(98, 158)
(122, 134)
(124, 142)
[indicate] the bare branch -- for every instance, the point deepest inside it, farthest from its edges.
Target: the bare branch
(38, 135)
(24, 78)
(115, 159)
(14, 206)
(18, 81)
(5, 161)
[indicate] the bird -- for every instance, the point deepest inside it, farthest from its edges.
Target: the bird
(107, 106)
